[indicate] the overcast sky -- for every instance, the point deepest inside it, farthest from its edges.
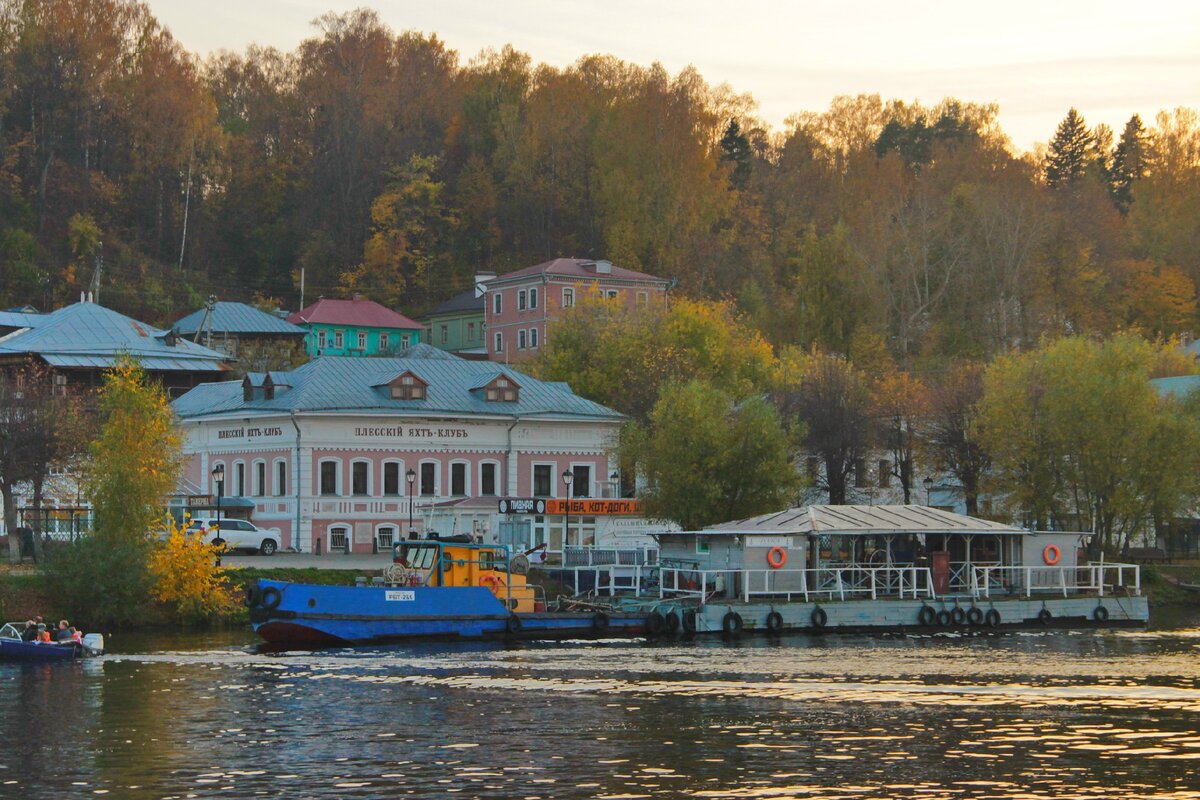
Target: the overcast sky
(1035, 59)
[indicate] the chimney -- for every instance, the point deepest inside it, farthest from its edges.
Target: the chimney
(480, 279)
(603, 267)
(357, 297)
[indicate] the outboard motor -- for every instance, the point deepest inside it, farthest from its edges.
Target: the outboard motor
(94, 644)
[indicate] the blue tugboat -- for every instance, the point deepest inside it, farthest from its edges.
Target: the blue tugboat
(436, 588)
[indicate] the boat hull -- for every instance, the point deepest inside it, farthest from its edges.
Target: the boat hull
(314, 616)
(884, 615)
(14, 650)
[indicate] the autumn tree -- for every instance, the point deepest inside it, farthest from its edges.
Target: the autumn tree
(41, 429)
(135, 465)
(831, 404)
(1079, 436)
(707, 456)
(951, 434)
(622, 356)
(901, 405)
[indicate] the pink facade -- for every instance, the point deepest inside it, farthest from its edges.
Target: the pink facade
(520, 304)
(361, 521)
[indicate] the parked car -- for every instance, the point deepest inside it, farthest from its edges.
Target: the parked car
(237, 534)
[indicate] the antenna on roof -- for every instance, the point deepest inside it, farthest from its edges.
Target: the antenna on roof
(97, 271)
(206, 322)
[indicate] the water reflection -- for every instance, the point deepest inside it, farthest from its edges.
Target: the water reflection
(1050, 715)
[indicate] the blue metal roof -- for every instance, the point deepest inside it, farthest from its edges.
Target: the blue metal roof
(229, 317)
(356, 385)
(90, 335)
(1180, 386)
(16, 319)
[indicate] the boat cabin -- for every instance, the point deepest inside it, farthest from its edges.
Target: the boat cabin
(459, 561)
(888, 550)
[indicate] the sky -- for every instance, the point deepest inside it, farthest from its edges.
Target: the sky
(1035, 60)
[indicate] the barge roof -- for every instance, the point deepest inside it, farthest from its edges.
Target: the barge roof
(861, 520)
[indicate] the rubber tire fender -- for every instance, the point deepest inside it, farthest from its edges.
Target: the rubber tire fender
(943, 618)
(992, 618)
(672, 622)
(253, 595)
(513, 624)
(1044, 616)
(271, 598)
(731, 623)
(1100, 614)
(926, 616)
(975, 616)
(819, 617)
(600, 621)
(689, 621)
(958, 616)
(775, 622)
(655, 623)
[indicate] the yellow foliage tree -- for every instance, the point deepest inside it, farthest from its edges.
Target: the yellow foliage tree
(186, 576)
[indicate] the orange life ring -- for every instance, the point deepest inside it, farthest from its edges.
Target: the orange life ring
(1051, 554)
(776, 557)
(491, 582)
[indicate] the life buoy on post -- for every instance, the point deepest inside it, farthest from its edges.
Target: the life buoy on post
(1051, 554)
(776, 557)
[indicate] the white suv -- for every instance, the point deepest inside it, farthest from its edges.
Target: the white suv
(237, 534)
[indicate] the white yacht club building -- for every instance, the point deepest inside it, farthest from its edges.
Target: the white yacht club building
(340, 453)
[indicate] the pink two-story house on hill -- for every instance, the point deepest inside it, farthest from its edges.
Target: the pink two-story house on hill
(519, 304)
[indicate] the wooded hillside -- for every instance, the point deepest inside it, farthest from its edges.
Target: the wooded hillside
(384, 162)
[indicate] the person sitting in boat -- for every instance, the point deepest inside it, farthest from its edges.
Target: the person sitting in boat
(30, 632)
(43, 635)
(64, 631)
(76, 635)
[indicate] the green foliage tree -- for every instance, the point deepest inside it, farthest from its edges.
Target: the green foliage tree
(735, 151)
(1128, 163)
(622, 356)
(1079, 436)
(708, 457)
(1071, 151)
(104, 578)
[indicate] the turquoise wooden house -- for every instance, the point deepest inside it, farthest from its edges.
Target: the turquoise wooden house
(357, 327)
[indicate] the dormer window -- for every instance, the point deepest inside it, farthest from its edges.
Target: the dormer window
(502, 390)
(408, 387)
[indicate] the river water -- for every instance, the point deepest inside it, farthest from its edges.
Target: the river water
(1093, 714)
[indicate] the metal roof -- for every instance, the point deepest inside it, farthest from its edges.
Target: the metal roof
(1177, 387)
(462, 303)
(356, 385)
(18, 319)
(359, 311)
(90, 335)
(576, 268)
(229, 317)
(861, 520)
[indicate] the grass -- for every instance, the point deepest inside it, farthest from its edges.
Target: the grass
(1158, 583)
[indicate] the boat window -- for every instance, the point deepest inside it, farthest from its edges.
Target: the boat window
(420, 556)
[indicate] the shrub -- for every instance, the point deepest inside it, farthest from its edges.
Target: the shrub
(186, 578)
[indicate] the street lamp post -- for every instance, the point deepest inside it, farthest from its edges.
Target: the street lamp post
(615, 479)
(218, 473)
(567, 477)
(928, 484)
(411, 476)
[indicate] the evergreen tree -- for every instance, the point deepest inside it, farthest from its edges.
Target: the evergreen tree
(735, 148)
(1071, 151)
(1128, 163)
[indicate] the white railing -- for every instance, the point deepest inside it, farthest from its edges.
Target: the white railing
(1098, 578)
(590, 556)
(852, 582)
